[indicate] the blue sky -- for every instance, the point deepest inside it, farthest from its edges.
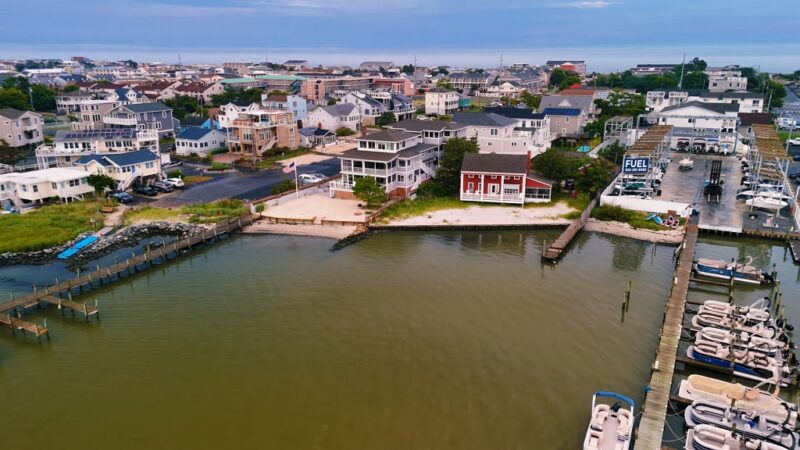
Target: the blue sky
(609, 34)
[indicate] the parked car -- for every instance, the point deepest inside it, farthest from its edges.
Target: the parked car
(569, 184)
(122, 197)
(310, 178)
(172, 164)
(145, 190)
(175, 182)
(162, 187)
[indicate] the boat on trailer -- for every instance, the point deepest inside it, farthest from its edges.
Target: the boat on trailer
(707, 437)
(745, 423)
(743, 272)
(701, 388)
(767, 203)
(611, 426)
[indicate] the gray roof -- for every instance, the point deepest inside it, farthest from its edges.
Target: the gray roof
(121, 159)
(722, 95)
(495, 163)
(515, 113)
(194, 133)
(583, 102)
(416, 125)
(147, 107)
(483, 119)
(339, 109)
(369, 155)
(719, 108)
(388, 136)
(12, 114)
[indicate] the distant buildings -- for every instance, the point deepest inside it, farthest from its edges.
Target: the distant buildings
(294, 103)
(748, 102)
(651, 69)
(333, 117)
(579, 67)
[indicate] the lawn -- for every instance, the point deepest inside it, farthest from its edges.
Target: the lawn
(150, 213)
(195, 179)
(420, 206)
(270, 161)
(48, 226)
(784, 135)
(198, 213)
(636, 219)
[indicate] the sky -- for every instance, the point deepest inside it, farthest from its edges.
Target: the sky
(609, 34)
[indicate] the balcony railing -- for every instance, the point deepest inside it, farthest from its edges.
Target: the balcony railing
(511, 198)
(116, 120)
(341, 186)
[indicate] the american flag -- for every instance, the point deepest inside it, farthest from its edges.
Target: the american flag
(290, 168)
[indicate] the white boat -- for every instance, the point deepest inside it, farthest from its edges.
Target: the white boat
(611, 427)
(743, 272)
(749, 424)
(765, 330)
(758, 310)
(685, 164)
(701, 388)
(768, 203)
(744, 363)
(708, 437)
(744, 341)
(768, 193)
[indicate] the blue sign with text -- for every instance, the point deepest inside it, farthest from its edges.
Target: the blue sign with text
(635, 165)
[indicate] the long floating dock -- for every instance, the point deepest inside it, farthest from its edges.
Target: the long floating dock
(654, 413)
(52, 295)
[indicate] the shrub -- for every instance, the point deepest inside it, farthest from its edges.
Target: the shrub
(344, 131)
(260, 208)
(368, 190)
(217, 151)
(218, 166)
(177, 173)
(283, 186)
(430, 189)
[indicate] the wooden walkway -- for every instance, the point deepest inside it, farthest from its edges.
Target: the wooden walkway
(795, 246)
(651, 426)
(53, 295)
(554, 251)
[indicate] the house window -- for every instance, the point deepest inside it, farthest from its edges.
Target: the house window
(53, 185)
(493, 132)
(566, 120)
(470, 187)
(35, 188)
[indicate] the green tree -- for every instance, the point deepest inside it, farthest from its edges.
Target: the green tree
(554, 165)
(569, 81)
(182, 105)
(613, 153)
(72, 88)
(100, 182)
(332, 101)
(593, 176)
(44, 98)
(14, 98)
(445, 84)
(368, 190)
(558, 76)
(449, 173)
(530, 100)
(10, 155)
(386, 118)
(344, 131)
(778, 93)
(248, 95)
(695, 80)
(407, 69)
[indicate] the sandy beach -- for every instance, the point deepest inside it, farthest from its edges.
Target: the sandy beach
(623, 229)
(490, 215)
(327, 231)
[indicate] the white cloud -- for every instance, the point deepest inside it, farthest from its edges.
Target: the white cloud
(327, 6)
(586, 4)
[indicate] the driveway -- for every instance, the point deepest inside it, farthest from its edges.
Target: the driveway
(243, 185)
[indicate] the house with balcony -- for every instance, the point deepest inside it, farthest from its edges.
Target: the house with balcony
(496, 134)
(398, 85)
(201, 92)
(400, 105)
(69, 146)
(69, 102)
(748, 102)
(294, 103)
(582, 99)
(256, 131)
(20, 128)
(506, 179)
(154, 116)
(90, 114)
(499, 89)
(333, 117)
(440, 101)
(127, 96)
(528, 121)
(565, 122)
(369, 108)
(433, 132)
(229, 112)
(399, 161)
(470, 81)
(140, 166)
(660, 99)
(20, 189)
(707, 127)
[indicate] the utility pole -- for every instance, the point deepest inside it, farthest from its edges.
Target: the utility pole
(683, 63)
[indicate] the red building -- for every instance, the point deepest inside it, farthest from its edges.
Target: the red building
(496, 178)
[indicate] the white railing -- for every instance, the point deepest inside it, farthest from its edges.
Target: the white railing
(341, 186)
(115, 120)
(513, 198)
(364, 171)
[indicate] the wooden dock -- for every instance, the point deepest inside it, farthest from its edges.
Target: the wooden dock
(554, 251)
(654, 409)
(60, 293)
(795, 247)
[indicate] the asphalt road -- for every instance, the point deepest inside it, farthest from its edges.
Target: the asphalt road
(242, 185)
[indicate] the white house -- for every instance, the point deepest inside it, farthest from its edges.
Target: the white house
(18, 189)
(496, 134)
(20, 128)
(230, 112)
(440, 101)
(369, 108)
(510, 89)
(124, 168)
(748, 102)
(198, 140)
(710, 127)
(333, 117)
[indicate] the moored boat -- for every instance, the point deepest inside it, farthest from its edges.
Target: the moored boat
(745, 363)
(702, 388)
(767, 203)
(611, 426)
(743, 272)
(745, 423)
(707, 437)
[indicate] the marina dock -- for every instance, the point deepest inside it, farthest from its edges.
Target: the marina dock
(654, 409)
(60, 293)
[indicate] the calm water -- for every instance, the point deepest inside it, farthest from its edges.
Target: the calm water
(405, 340)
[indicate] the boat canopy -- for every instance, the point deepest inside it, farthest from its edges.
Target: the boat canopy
(625, 399)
